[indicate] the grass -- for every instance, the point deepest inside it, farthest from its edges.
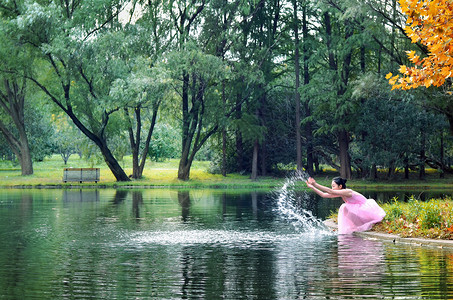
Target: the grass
(50, 173)
(431, 219)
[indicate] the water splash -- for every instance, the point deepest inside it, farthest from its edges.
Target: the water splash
(219, 237)
(301, 219)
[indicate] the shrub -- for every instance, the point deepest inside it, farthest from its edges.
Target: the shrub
(432, 219)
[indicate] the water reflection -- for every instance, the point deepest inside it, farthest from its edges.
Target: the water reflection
(80, 195)
(175, 244)
(137, 201)
(403, 195)
(120, 196)
(361, 263)
(184, 201)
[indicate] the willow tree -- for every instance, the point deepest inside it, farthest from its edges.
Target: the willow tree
(15, 97)
(79, 47)
(201, 102)
(12, 107)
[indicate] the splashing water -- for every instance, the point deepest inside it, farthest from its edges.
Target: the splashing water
(300, 218)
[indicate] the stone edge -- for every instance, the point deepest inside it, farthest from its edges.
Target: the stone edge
(395, 238)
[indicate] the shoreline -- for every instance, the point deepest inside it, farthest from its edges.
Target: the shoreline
(269, 183)
(374, 235)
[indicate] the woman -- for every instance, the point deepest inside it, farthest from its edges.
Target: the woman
(357, 213)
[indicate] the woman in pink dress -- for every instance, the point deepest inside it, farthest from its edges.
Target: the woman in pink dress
(357, 213)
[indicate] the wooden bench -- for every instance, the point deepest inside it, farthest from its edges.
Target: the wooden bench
(81, 174)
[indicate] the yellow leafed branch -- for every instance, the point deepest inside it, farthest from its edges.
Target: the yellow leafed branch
(429, 22)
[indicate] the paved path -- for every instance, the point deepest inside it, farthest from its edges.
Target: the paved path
(448, 244)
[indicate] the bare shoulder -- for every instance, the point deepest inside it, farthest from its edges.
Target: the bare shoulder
(349, 193)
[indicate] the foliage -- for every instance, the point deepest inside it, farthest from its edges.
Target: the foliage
(429, 22)
(227, 67)
(66, 137)
(164, 144)
(196, 75)
(386, 117)
(39, 129)
(5, 151)
(415, 218)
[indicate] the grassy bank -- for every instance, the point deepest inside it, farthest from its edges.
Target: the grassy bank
(164, 174)
(432, 219)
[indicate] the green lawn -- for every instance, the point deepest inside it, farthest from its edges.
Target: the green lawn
(50, 173)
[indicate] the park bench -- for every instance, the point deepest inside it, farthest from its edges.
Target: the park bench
(81, 174)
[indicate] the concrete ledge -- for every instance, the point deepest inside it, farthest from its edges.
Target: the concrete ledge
(448, 244)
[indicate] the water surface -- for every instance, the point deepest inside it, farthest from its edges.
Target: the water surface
(200, 244)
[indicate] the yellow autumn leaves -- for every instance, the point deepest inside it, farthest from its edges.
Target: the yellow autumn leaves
(429, 22)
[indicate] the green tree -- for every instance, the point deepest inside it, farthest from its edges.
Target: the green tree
(200, 74)
(195, 73)
(145, 88)
(66, 137)
(12, 106)
(80, 48)
(14, 99)
(165, 143)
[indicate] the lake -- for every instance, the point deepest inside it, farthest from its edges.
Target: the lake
(202, 244)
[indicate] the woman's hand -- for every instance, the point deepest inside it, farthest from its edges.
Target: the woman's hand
(311, 181)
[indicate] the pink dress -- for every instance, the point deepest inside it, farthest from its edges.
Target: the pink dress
(358, 214)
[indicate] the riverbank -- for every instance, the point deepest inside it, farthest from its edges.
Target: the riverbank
(49, 174)
(413, 221)
(394, 238)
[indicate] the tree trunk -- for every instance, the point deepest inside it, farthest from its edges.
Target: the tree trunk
(308, 125)
(442, 155)
(343, 136)
(113, 164)
(263, 159)
(224, 135)
(148, 139)
(184, 169)
(135, 140)
(422, 174)
(239, 143)
(345, 163)
(26, 164)
(254, 175)
(345, 168)
(297, 94)
(391, 173)
(101, 142)
(224, 154)
(316, 163)
(13, 103)
(192, 140)
(373, 172)
(257, 145)
(449, 115)
(109, 158)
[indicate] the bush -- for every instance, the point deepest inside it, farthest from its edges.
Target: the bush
(432, 219)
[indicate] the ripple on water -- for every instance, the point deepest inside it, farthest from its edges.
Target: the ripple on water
(230, 238)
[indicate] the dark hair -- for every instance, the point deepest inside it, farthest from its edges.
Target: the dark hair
(340, 181)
